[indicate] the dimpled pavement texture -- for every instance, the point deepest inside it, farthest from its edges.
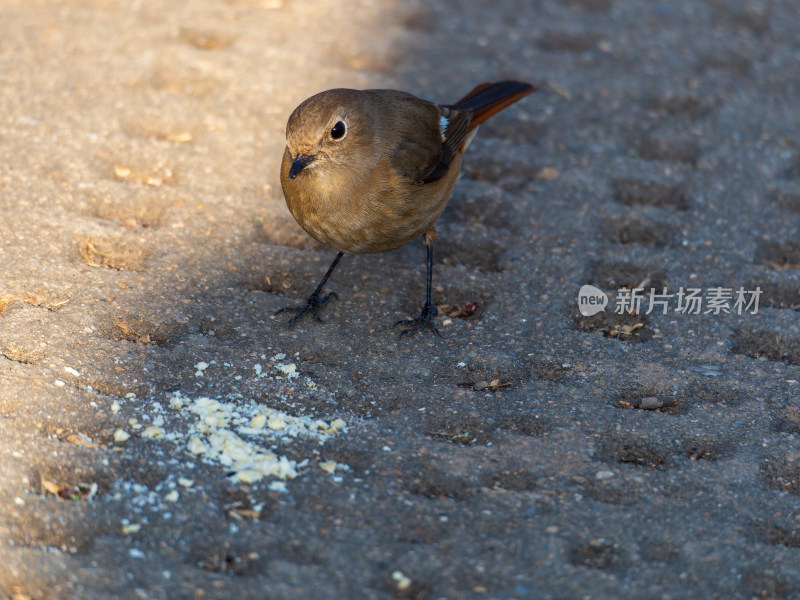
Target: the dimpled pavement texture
(528, 452)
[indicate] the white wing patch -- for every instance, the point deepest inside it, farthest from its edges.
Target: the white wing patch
(443, 123)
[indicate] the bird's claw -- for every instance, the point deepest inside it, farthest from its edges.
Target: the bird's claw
(313, 304)
(425, 319)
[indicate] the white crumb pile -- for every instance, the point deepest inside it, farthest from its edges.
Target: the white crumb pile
(242, 436)
(222, 433)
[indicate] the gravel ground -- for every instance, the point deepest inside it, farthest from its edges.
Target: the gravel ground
(164, 436)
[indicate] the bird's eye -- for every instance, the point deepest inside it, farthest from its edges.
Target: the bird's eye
(339, 130)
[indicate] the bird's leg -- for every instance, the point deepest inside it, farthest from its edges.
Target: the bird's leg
(314, 302)
(429, 311)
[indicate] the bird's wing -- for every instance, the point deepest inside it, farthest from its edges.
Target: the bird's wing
(420, 137)
(426, 137)
(465, 115)
(454, 131)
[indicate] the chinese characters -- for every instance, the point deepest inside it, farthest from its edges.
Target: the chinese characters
(689, 301)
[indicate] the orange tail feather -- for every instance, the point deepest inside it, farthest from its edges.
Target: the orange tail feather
(488, 99)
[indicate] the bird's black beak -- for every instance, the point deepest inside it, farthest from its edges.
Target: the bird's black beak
(300, 163)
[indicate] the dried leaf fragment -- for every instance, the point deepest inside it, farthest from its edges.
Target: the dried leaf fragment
(560, 90)
(82, 491)
(620, 330)
(50, 486)
(650, 402)
(458, 312)
(131, 334)
(80, 439)
(181, 137)
(493, 385)
(244, 513)
(547, 173)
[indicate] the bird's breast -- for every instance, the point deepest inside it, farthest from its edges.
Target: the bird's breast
(372, 212)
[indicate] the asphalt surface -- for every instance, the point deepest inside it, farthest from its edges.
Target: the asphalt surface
(528, 452)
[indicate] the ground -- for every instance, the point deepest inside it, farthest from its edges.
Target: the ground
(528, 452)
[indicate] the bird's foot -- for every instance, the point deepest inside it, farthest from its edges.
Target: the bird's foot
(312, 305)
(429, 311)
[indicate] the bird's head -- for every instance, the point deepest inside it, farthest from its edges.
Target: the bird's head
(331, 133)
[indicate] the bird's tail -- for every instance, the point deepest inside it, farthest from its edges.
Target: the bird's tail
(488, 99)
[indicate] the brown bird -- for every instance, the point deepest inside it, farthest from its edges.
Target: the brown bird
(367, 171)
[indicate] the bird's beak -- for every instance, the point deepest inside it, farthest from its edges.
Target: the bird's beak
(300, 163)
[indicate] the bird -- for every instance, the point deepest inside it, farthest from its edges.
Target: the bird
(367, 171)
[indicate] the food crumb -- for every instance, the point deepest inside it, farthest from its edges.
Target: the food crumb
(328, 466)
(242, 436)
(131, 528)
(403, 582)
(200, 369)
(153, 432)
(289, 370)
(278, 486)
